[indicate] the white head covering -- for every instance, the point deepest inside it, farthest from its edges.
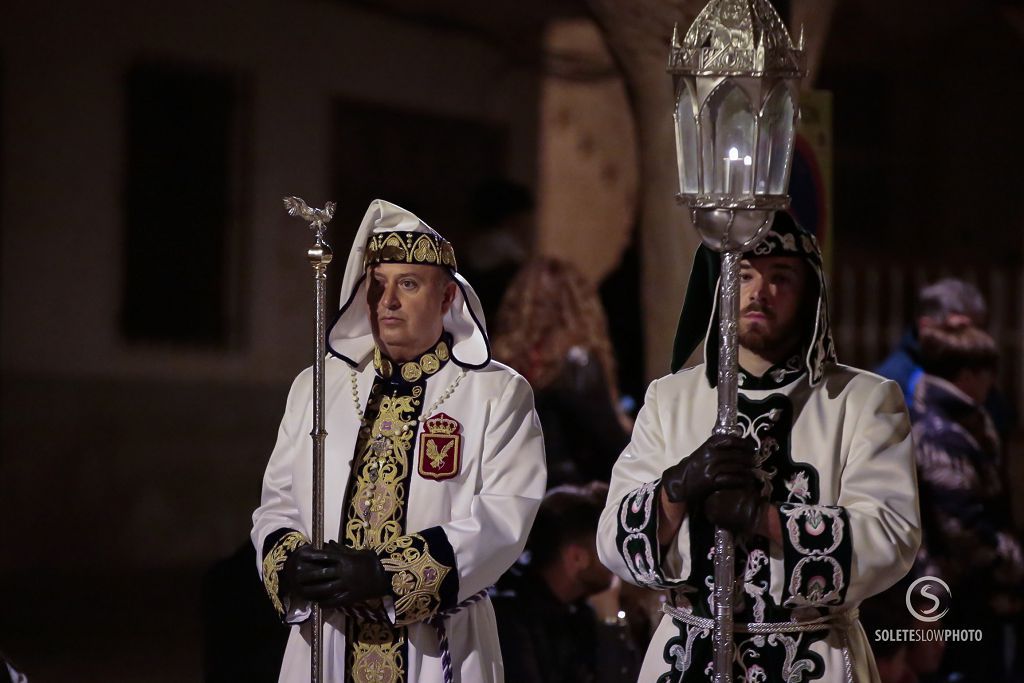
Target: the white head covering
(350, 337)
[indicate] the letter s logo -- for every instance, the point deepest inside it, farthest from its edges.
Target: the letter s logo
(926, 591)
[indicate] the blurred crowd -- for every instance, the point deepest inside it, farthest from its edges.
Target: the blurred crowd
(947, 365)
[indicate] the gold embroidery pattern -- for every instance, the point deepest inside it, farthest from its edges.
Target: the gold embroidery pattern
(375, 512)
(375, 518)
(427, 248)
(437, 459)
(273, 563)
(424, 250)
(411, 371)
(416, 578)
(382, 365)
(376, 658)
(430, 363)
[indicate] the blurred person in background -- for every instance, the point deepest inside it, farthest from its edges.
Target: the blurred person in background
(560, 619)
(968, 537)
(947, 302)
(551, 327)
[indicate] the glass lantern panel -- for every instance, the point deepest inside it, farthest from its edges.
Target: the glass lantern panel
(687, 142)
(775, 143)
(728, 123)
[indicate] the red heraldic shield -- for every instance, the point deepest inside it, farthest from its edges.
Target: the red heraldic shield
(440, 447)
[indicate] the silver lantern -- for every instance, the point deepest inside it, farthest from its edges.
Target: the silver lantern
(736, 75)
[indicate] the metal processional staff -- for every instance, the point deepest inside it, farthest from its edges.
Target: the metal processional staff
(319, 255)
(736, 75)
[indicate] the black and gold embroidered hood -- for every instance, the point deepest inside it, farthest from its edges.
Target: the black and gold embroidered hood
(699, 317)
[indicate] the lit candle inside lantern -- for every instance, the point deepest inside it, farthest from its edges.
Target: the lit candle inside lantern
(734, 155)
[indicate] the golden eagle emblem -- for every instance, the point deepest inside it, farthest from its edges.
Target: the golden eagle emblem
(437, 459)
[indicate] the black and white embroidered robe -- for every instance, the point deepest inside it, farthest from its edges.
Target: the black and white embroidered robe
(840, 469)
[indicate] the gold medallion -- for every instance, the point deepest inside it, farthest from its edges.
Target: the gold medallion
(411, 372)
(430, 364)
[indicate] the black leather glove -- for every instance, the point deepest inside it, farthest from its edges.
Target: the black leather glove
(335, 576)
(722, 462)
(738, 510)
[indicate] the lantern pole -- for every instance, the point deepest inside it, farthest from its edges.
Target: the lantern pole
(725, 544)
(743, 41)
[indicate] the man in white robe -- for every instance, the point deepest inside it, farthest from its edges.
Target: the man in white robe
(434, 472)
(820, 489)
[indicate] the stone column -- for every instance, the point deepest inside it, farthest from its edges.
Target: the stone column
(638, 33)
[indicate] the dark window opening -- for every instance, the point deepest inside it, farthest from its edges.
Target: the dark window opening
(182, 263)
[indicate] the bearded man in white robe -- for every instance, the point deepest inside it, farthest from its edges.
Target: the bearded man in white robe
(434, 470)
(820, 489)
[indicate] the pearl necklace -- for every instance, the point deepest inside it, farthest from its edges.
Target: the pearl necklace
(445, 395)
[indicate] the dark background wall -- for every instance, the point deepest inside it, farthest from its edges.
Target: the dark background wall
(926, 117)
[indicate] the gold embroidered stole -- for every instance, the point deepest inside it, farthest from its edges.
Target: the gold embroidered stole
(375, 515)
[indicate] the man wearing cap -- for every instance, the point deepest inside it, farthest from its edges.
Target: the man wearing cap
(434, 472)
(819, 490)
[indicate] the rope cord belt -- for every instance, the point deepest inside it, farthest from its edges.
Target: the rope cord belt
(839, 621)
(437, 621)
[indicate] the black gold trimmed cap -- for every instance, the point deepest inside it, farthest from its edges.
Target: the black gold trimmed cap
(423, 248)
